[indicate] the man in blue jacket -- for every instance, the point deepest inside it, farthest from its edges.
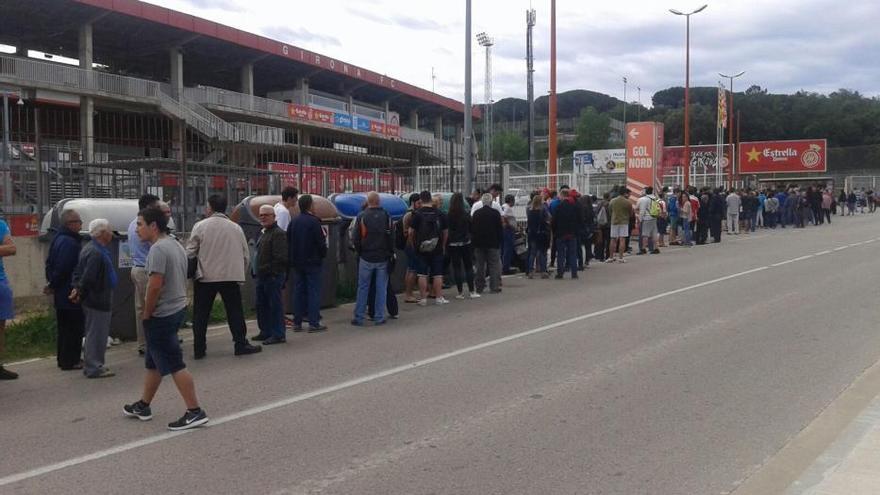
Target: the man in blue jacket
(307, 247)
(62, 261)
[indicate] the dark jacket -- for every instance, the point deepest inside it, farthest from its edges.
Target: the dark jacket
(272, 252)
(460, 229)
(62, 260)
(588, 218)
(538, 225)
(567, 220)
(306, 247)
(486, 230)
(372, 235)
(91, 278)
(717, 205)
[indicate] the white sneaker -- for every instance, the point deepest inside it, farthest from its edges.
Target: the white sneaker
(423, 302)
(441, 300)
(460, 296)
(474, 295)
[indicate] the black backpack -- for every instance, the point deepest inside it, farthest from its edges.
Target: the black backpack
(399, 235)
(428, 235)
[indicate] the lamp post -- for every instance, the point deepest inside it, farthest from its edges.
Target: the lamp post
(487, 42)
(639, 108)
(730, 127)
(687, 84)
(551, 118)
(468, 179)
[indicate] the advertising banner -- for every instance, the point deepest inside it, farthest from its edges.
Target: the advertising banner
(377, 127)
(342, 120)
(341, 180)
(23, 225)
(644, 152)
(301, 112)
(392, 130)
(763, 157)
(600, 161)
(361, 124)
(321, 116)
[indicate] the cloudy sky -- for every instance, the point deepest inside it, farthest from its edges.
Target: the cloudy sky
(784, 45)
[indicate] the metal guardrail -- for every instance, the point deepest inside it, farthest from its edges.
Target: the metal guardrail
(220, 97)
(26, 72)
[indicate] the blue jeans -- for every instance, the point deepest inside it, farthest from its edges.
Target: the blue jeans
(270, 312)
(365, 274)
(566, 252)
(307, 296)
(507, 249)
(687, 234)
(537, 252)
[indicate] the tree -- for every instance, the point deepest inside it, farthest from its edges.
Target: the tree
(592, 130)
(509, 146)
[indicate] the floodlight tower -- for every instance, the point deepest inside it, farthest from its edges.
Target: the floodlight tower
(487, 42)
(530, 85)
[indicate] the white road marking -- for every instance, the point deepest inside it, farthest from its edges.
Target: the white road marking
(125, 447)
(841, 248)
(820, 253)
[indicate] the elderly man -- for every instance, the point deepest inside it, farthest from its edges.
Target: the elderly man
(93, 282)
(486, 238)
(62, 261)
(222, 255)
(372, 241)
(138, 250)
(269, 268)
(7, 311)
(282, 208)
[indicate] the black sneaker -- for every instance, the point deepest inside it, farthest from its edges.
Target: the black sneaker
(189, 420)
(274, 340)
(319, 328)
(5, 374)
(298, 328)
(259, 337)
(138, 410)
(248, 349)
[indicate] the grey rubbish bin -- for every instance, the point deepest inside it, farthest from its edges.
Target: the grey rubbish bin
(119, 212)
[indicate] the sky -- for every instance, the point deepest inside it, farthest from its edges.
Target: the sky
(783, 45)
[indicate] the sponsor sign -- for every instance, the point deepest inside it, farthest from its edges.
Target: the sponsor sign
(804, 155)
(600, 161)
(321, 116)
(23, 225)
(301, 112)
(644, 151)
(342, 120)
(377, 127)
(392, 130)
(361, 124)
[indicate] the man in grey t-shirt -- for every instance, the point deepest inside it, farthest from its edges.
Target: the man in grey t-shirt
(164, 309)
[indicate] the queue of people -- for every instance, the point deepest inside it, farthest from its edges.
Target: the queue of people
(472, 244)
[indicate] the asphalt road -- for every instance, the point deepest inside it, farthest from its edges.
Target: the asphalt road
(681, 373)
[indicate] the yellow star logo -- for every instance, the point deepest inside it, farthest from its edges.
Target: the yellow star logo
(753, 155)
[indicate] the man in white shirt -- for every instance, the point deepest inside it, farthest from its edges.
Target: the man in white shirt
(282, 208)
(648, 226)
(495, 190)
(734, 204)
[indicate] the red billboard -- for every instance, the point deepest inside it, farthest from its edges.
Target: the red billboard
(644, 152)
(703, 159)
(322, 116)
(763, 157)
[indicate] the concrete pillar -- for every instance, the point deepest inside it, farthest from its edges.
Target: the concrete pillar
(21, 51)
(414, 119)
(302, 85)
(350, 102)
(86, 104)
(459, 133)
(387, 106)
(176, 61)
(438, 127)
(247, 79)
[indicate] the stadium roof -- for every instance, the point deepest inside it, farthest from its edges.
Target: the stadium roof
(134, 38)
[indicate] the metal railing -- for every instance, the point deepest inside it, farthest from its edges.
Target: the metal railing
(57, 76)
(328, 103)
(206, 95)
(368, 112)
(411, 134)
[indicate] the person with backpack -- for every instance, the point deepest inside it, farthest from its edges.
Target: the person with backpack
(373, 243)
(401, 240)
(602, 249)
(460, 246)
(538, 235)
(585, 235)
(649, 211)
(428, 235)
(486, 237)
(566, 224)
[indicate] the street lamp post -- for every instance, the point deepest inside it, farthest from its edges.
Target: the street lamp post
(639, 108)
(730, 127)
(687, 84)
(468, 179)
(551, 117)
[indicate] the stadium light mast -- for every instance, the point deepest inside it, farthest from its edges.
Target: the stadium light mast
(530, 85)
(687, 84)
(468, 179)
(730, 127)
(487, 42)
